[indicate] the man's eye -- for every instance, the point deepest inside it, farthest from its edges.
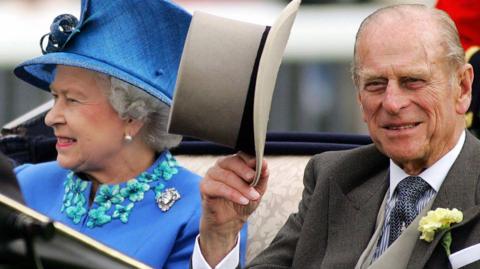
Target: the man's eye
(71, 100)
(374, 86)
(414, 83)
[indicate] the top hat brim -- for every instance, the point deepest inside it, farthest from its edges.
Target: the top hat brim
(38, 71)
(266, 77)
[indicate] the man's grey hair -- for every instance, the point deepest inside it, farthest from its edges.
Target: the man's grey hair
(130, 102)
(449, 37)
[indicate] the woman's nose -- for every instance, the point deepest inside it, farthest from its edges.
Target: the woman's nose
(55, 115)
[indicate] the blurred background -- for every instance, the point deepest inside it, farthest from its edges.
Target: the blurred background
(314, 91)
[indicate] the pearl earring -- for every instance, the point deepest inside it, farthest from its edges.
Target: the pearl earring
(128, 138)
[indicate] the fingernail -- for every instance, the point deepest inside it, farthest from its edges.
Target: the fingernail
(253, 194)
(250, 175)
(244, 201)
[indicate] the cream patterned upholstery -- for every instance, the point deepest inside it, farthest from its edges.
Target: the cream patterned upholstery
(281, 199)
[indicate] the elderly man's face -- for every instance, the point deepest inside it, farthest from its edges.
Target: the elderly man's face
(414, 111)
(89, 132)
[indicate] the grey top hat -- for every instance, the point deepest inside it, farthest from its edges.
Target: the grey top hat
(226, 80)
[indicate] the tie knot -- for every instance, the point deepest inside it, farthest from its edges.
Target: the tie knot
(412, 187)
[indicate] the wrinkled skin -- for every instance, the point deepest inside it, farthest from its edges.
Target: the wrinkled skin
(413, 108)
(227, 201)
(90, 133)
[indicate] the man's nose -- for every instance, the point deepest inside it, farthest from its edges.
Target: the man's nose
(395, 98)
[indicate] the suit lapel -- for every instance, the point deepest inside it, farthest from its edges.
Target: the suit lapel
(352, 220)
(457, 191)
(354, 193)
(354, 207)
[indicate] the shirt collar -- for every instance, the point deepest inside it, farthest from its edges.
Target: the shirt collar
(435, 174)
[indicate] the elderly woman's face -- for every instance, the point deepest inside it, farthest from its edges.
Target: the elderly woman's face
(89, 132)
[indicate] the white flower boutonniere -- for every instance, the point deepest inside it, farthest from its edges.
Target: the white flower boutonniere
(437, 220)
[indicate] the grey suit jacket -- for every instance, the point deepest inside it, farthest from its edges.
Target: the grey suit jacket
(343, 193)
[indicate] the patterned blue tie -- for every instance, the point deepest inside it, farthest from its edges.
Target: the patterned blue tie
(404, 212)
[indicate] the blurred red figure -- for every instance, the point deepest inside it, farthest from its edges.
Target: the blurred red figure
(466, 15)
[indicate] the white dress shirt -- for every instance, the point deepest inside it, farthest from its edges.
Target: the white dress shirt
(434, 176)
(229, 262)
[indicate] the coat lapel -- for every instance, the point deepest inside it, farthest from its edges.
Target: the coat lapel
(354, 205)
(352, 221)
(457, 191)
(349, 198)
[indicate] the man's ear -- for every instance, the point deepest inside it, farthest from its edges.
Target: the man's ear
(464, 96)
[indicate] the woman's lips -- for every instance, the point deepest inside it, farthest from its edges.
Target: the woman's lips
(64, 142)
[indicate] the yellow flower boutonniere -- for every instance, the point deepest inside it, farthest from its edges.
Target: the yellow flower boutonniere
(437, 220)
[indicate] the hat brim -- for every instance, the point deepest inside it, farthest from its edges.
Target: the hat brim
(267, 75)
(39, 72)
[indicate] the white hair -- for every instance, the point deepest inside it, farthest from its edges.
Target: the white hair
(130, 102)
(449, 37)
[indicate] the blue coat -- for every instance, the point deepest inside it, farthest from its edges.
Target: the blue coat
(120, 217)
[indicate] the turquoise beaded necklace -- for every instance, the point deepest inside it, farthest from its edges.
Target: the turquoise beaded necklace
(114, 202)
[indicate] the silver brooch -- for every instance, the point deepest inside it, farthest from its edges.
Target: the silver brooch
(167, 198)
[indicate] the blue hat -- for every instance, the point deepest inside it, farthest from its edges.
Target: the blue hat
(138, 41)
